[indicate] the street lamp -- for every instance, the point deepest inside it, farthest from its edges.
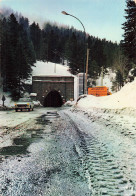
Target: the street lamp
(84, 70)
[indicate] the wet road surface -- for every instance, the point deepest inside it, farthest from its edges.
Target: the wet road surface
(58, 156)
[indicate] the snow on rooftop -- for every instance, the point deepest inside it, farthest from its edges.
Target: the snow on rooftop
(48, 69)
(125, 98)
(43, 69)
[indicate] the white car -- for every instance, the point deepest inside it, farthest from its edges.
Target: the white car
(24, 103)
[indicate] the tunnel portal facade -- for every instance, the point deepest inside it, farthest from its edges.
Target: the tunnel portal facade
(53, 91)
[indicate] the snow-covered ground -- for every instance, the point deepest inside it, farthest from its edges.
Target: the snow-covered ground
(125, 98)
(109, 119)
(118, 106)
(12, 123)
(117, 111)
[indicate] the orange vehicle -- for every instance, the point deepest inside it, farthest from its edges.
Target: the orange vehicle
(99, 91)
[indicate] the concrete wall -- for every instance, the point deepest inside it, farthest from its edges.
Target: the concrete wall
(42, 85)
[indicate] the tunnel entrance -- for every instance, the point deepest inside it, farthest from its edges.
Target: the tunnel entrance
(53, 99)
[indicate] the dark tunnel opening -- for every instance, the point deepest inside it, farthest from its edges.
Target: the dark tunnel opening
(53, 99)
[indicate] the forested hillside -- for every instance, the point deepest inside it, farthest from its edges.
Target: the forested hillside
(17, 53)
(23, 43)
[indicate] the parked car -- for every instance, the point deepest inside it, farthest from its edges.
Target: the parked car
(24, 103)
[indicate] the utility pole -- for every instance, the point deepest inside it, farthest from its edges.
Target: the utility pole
(86, 70)
(55, 62)
(102, 77)
(0, 56)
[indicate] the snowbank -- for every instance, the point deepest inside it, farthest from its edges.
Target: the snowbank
(125, 98)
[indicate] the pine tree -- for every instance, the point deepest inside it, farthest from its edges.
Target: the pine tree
(129, 42)
(120, 66)
(0, 52)
(35, 35)
(25, 23)
(12, 40)
(4, 51)
(17, 55)
(74, 52)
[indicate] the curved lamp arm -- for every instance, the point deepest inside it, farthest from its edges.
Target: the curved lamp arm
(65, 13)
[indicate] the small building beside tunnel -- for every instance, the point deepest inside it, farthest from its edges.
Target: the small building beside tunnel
(53, 91)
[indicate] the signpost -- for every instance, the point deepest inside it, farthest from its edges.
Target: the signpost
(3, 99)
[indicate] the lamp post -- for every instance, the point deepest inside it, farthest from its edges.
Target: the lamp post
(84, 69)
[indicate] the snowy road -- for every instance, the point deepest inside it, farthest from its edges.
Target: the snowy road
(65, 153)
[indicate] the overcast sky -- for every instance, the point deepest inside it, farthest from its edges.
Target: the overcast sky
(101, 18)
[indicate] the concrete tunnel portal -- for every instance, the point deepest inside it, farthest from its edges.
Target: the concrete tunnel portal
(53, 99)
(53, 91)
